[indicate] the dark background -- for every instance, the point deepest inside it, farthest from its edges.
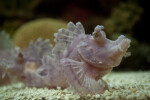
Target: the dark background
(128, 17)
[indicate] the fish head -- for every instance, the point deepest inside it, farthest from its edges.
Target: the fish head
(102, 52)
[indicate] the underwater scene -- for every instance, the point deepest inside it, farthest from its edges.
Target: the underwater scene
(74, 50)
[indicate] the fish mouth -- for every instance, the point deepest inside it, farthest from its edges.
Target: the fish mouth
(119, 50)
(123, 43)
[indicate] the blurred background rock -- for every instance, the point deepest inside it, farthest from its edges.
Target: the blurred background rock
(21, 18)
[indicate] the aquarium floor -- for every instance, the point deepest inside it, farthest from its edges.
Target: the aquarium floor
(122, 86)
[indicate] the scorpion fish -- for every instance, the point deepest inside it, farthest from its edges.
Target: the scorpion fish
(77, 60)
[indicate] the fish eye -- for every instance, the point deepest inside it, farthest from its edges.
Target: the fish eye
(97, 35)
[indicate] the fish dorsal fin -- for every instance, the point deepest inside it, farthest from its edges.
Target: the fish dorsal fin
(65, 36)
(77, 77)
(36, 50)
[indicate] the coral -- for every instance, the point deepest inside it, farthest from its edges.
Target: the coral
(77, 60)
(32, 30)
(123, 18)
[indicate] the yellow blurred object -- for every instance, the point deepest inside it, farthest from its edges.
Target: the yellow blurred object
(44, 28)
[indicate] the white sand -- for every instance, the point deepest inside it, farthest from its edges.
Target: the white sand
(123, 86)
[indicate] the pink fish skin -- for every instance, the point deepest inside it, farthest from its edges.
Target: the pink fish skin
(89, 57)
(77, 60)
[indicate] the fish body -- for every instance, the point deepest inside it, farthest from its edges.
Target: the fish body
(78, 60)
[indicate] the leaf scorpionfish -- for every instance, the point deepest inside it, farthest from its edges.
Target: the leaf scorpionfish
(78, 60)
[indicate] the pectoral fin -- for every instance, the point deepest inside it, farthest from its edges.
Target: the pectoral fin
(75, 72)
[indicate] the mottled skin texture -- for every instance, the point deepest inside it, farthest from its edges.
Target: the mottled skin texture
(77, 60)
(95, 56)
